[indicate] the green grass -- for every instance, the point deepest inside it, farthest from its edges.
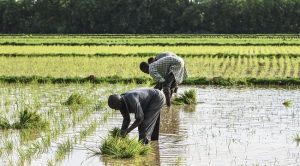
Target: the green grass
(287, 103)
(188, 97)
(121, 147)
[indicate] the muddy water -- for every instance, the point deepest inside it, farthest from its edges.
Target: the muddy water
(248, 126)
(227, 127)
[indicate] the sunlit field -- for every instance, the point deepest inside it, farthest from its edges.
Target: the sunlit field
(54, 89)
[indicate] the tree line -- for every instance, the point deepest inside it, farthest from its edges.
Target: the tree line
(149, 16)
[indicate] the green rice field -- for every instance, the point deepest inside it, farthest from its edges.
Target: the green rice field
(234, 57)
(54, 89)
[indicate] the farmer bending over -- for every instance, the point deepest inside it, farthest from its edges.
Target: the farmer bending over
(146, 105)
(157, 57)
(167, 71)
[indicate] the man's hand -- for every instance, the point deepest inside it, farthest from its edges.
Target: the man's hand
(124, 133)
(161, 80)
(158, 86)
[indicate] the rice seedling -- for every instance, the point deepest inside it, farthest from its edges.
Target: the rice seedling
(76, 99)
(287, 103)
(30, 120)
(4, 123)
(297, 138)
(63, 149)
(121, 147)
(178, 161)
(87, 131)
(117, 147)
(115, 132)
(50, 163)
(106, 115)
(27, 135)
(188, 97)
(8, 146)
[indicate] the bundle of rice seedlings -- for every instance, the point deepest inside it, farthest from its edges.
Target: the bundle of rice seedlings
(76, 99)
(122, 147)
(30, 120)
(115, 132)
(188, 97)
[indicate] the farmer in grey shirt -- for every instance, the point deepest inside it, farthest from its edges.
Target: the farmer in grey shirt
(145, 104)
(169, 71)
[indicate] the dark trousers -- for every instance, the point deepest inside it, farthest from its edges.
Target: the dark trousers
(149, 128)
(169, 87)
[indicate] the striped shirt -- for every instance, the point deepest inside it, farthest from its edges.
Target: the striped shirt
(164, 54)
(159, 69)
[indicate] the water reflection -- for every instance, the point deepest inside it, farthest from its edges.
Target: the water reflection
(169, 120)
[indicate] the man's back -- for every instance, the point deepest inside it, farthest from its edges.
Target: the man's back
(163, 66)
(164, 54)
(142, 96)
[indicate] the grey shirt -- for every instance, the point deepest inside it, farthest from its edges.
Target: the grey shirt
(145, 103)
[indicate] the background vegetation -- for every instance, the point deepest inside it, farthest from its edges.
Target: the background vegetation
(149, 16)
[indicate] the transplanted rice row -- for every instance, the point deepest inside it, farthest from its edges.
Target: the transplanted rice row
(92, 50)
(26, 151)
(79, 69)
(205, 66)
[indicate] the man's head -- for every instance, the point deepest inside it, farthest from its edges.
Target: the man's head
(144, 66)
(151, 60)
(115, 102)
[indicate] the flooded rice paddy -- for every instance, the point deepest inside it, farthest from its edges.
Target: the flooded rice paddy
(235, 126)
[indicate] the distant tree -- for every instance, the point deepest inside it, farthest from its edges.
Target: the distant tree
(149, 16)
